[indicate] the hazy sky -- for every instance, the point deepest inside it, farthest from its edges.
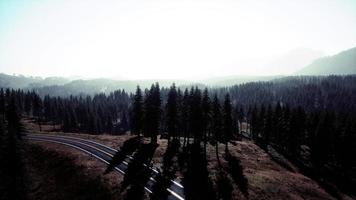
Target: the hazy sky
(167, 39)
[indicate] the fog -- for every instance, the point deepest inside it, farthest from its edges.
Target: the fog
(170, 39)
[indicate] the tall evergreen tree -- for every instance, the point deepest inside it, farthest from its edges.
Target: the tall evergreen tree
(185, 116)
(216, 122)
(323, 145)
(255, 128)
(2, 104)
(152, 113)
(38, 109)
(137, 113)
(236, 123)
(206, 117)
(13, 117)
(124, 123)
(196, 115)
(227, 122)
(172, 113)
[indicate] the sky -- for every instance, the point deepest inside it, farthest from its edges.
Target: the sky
(170, 39)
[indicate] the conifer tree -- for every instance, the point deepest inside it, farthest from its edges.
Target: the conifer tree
(137, 113)
(152, 112)
(206, 117)
(2, 105)
(227, 122)
(196, 114)
(185, 116)
(38, 109)
(172, 113)
(235, 123)
(13, 117)
(255, 128)
(216, 122)
(124, 123)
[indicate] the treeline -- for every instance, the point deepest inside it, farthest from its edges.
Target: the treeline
(336, 93)
(321, 142)
(12, 184)
(189, 120)
(191, 115)
(311, 120)
(98, 114)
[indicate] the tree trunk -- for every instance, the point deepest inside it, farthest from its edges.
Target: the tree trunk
(205, 147)
(154, 139)
(39, 124)
(217, 153)
(226, 148)
(169, 140)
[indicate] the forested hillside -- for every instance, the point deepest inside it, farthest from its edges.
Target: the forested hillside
(343, 63)
(310, 120)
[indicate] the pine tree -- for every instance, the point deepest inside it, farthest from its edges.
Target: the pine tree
(184, 117)
(255, 123)
(278, 123)
(137, 113)
(267, 127)
(323, 145)
(124, 123)
(38, 109)
(235, 123)
(227, 122)
(152, 113)
(28, 103)
(206, 117)
(47, 108)
(172, 113)
(216, 122)
(2, 104)
(261, 126)
(13, 117)
(196, 115)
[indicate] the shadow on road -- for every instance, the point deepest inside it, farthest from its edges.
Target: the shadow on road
(137, 174)
(196, 181)
(168, 172)
(129, 146)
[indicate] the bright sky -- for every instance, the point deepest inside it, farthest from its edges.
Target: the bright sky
(178, 39)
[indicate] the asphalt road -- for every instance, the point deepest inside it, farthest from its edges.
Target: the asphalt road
(105, 154)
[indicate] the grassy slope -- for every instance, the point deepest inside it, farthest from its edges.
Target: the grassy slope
(266, 179)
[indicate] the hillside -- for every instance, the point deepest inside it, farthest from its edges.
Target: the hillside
(264, 176)
(20, 81)
(62, 86)
(343, 63)
(293, 60)
(226, 81)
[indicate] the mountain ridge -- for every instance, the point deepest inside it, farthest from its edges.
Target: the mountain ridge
(343, 63)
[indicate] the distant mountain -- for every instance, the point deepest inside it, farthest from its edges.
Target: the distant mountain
(235, 80)
(340, 64)
(9, 81)
(21, 82)
(293, 60)
(58, 86)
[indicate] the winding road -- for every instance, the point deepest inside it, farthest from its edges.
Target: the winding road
(105, 155)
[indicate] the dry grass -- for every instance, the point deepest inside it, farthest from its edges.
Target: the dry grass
(266, 179)
(55, 172)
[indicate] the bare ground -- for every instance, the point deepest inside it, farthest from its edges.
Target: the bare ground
(55, 172)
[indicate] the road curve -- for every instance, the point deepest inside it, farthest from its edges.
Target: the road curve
(105, 154)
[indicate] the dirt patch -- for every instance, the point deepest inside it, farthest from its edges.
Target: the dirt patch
(268, 180)
(73, 176)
